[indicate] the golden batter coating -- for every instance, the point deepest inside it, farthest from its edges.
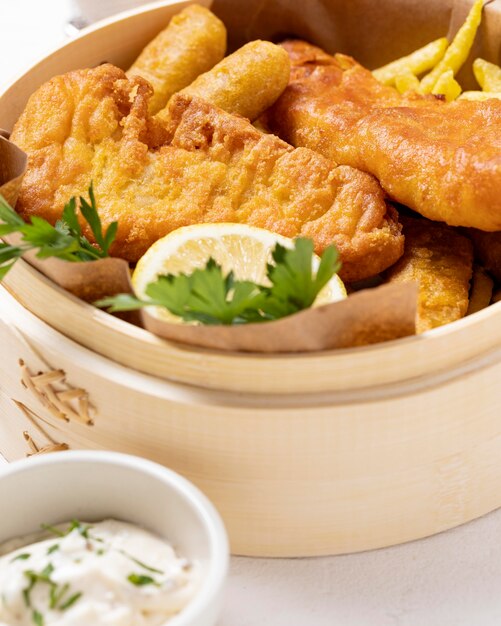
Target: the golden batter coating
(246, 82)
(204, 166)
(440, 260)
(441, 159)
(193, 42)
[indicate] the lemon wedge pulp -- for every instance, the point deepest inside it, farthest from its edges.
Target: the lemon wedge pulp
(243, 249)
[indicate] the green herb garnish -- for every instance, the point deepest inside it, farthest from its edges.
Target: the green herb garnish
(21, 557)
(34, 578)
(53, 548)
(52, 529)
(38, 618)
(140, 581)
(63, 241)
(70, 601)
(57, 593)
(209, 297)
(74, 525)
(82, 530)
(140, 563)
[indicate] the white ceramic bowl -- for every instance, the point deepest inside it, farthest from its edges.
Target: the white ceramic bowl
(92, 486)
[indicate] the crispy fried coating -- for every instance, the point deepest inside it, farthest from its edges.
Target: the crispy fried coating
(193, 42)
(487, 248)
(440, 260)
(246, 82)
(441, 159)
(204, 166)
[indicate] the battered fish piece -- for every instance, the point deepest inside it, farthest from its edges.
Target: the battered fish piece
(441, 159)
(204, 166)
(193, 42)
(440, 260)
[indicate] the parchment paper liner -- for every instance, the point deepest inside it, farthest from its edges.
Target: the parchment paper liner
(366, 317)
(374, 32)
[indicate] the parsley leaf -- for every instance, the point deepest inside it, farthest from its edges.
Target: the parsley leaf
(63, 241)
(295, 286)
(209, 297)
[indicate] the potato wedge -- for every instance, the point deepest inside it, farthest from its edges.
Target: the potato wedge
(417, 62)
(193, 42)
(246, 82)
(457, 53)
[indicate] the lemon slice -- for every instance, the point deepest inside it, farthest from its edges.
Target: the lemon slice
(244, 249)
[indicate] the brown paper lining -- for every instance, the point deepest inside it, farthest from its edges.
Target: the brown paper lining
(374, 32)
(13, 162)
(366, 317)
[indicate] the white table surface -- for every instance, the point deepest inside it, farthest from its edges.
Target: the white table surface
(453, 579)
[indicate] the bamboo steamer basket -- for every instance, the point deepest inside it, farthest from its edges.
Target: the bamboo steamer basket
(321, 453)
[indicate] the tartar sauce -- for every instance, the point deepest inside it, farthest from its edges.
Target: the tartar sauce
(110, 573)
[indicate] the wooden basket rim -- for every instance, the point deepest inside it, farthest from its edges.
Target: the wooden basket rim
(412, 358)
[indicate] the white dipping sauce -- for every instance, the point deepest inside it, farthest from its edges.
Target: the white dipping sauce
(110, 573)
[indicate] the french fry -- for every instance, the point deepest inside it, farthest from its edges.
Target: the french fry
(447, 86)
(488, 75)
(246, 82)
(406, 82)
(457, 53)
(480, 95)
(481, 290)
(418, 62)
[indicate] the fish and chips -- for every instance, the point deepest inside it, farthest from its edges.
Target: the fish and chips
(184, 137)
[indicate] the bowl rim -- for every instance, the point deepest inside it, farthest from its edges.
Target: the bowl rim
(209, 518)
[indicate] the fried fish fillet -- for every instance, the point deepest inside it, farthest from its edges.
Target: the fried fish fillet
(193, 42)
(440, 260)
(205, 165)
(441, 159)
